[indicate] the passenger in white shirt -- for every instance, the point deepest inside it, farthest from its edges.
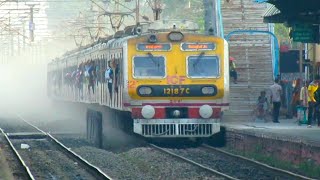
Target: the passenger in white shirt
(109, 77)
(275, 98)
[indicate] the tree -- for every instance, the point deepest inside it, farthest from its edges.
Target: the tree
(282, 32)
(184, 9)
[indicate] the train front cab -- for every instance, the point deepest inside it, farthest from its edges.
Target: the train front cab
(177, 88)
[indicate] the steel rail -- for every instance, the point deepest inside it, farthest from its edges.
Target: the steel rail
(25, 167)
(93, 170)
(278, 170)
(193, 163)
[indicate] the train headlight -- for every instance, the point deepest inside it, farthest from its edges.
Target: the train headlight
(175, 36)
(176, 113)
(145, 91)
(205, 111)
(148, 111)
(208, 90)
(152, 38)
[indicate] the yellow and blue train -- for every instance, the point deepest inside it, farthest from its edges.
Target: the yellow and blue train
(173, 81)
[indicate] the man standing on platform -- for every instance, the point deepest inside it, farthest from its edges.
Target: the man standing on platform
(275, 98)
(317, 105)
(304, 94)
(313, 86)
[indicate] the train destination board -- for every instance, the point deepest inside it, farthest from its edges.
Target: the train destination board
(153, 47)
(198, 46)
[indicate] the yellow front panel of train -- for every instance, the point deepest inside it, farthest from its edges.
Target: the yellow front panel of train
(191, 69)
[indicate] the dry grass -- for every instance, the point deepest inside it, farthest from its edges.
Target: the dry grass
(5, 172)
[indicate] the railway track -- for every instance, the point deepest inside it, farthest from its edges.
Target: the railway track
(215, 172)
(209, 160)
(45, 144)
(25, 171)
(279, 171)
(227, 165)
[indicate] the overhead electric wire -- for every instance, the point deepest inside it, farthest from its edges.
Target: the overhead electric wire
(19, 16)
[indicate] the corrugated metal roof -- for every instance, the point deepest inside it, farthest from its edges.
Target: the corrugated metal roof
(260, 1)
(272, 10)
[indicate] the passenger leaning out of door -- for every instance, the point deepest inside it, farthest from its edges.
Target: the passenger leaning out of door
(109, 78)
(232, 69)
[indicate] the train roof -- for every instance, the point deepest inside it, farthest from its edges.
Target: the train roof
(132, 31)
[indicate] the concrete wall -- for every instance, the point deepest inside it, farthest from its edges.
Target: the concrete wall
(295, 152)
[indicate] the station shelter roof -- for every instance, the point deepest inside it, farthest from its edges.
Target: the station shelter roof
(292, 11)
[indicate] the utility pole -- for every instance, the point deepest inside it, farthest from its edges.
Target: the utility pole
(99, 22)
(300, 58)
(11, 37)
(18, 38)
(118, 18)
(31, 24)
(156, 8)
(210, 15)
(117, 8)
(137, 11)
(24, 35)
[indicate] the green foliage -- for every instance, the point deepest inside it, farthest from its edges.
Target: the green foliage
(308, 168)
(311, 168)
(184, 9)
(282, 32)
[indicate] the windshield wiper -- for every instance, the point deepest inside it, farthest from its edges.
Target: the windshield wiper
(198, 59)
(151, 56)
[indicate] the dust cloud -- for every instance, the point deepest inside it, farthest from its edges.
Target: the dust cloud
(23, 90)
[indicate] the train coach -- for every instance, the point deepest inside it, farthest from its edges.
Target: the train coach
(170, 79)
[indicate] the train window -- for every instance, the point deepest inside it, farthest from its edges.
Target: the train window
(149, 66)
(203, 66)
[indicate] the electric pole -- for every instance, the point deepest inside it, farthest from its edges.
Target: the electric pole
(24, 35)
(11, 36)
(156, 8)
(137, 11)
(31, 24)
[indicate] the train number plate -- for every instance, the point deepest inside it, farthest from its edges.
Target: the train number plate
(178, 91)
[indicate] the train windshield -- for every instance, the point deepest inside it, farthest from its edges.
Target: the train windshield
(149, 66)
(203, 66)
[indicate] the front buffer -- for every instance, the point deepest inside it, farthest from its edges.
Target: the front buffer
(176, 122)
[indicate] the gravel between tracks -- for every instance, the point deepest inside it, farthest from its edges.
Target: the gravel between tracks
(135, 163)
(47, 162)
(15, 169)
(142, 163)
(228, 165)
(13, 125)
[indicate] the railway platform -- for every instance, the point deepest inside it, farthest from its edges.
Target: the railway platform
(281, 143)
(287, 129)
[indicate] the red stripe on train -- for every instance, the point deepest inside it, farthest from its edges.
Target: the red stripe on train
(178, 104)
(160, 113)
